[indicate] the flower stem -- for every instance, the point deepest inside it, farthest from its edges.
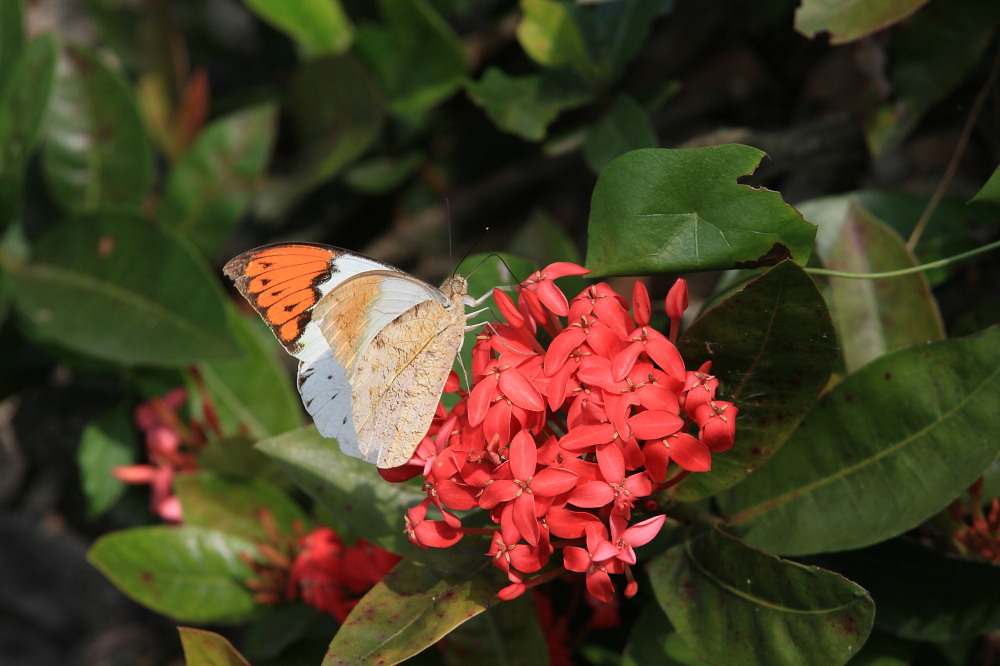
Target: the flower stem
(905, 271)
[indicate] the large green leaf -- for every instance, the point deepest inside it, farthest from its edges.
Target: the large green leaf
(25, 91)
(350, 489)
(848, 20)
(507, 634)
(526, 105)
(234, 505)
(319, 27)
(772, 346)
(727, 599)
(885, 449)
(626, 127)
(875, 316)
(207, 648)
(677, 210)
(922, 594)
(117, 288)
(416, 604)
(929, 56)
(254, 393)
(210, 186)
(108, 442)
(548, 33)
(417, 57)
(96, 153)
(188, 573)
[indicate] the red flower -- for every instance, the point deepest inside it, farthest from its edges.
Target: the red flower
(332, 577)
(576, 409)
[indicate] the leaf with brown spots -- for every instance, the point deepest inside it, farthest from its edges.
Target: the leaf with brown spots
(416, 604)
(772, 346)
(883, 451)
(725, 598)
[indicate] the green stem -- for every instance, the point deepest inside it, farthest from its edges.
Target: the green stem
(905, 271)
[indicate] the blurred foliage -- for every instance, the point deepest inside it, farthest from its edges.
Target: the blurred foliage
(142, 144)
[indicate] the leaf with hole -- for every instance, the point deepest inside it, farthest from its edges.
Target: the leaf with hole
(677, 210)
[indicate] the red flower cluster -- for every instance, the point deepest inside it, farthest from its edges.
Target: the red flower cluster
(331, 576)
(978, 531)
(559, 442)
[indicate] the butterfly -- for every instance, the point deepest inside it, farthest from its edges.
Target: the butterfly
(375, 345)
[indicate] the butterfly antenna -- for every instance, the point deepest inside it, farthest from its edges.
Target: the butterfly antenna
(471, 249)
(447, 213)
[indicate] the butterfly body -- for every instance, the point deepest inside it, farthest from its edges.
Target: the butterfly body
(375, 344)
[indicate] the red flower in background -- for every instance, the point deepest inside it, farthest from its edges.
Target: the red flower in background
(332, 577)
(577, 411)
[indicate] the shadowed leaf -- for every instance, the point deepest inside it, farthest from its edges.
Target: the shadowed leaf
(772, 346)
(884, 450)
(350, 489)
(727, 599)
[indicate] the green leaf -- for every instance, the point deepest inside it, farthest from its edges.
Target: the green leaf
(929, 57)
(24, 98)
(108, 442)
(96, 153)
(416, 56)
(849, 20)
(416, 604)
(319, 27)
(337, 112)
(652, 640)
(875, 316)
(885, 449)
(626, 127)
(234, 505)
(382, 174)
(772, 346)
(677, 210)
(525, 105)
(548, 33)
(350, 489)
(922, 594)
(210, 186)
(207, 648)
(119, 289)
(190, 574)
(541, 240)
(253, 393)
(506, 634)
(236, 456)
(622, 30)
(990, 192)
(12, 36)
(726, 599)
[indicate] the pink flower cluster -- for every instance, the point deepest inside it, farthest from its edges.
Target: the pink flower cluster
(171, 448)
(578, 410)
